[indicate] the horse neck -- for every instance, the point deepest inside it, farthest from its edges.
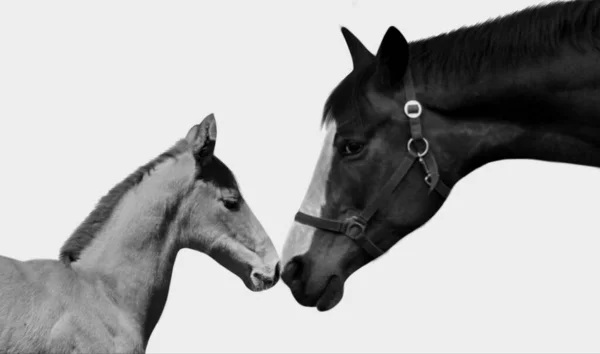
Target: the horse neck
(134, 254)
(548, 112)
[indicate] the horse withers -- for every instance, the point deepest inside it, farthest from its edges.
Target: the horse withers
(107, 291)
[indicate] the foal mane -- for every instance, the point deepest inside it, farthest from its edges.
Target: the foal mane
(459, 57)
(85, 233)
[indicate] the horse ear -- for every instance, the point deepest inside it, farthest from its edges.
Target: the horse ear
(360, 54)
(392, 57)
(202, 138)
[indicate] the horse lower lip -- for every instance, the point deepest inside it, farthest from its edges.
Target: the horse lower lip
(295, 286)
(301, 299)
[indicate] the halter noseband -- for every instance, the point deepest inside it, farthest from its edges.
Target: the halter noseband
(354, 226)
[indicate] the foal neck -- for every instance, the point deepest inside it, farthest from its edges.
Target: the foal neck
(133, 255)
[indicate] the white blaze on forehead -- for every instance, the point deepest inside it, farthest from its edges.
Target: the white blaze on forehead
(300, 236)
(315, 195)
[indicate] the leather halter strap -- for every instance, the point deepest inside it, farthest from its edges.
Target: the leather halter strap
(354, 226)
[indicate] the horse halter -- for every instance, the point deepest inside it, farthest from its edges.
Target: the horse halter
(354, 226)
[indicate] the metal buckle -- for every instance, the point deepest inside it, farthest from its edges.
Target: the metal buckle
(410, 104)
(416, 152)
(428, 179)
(354, 223)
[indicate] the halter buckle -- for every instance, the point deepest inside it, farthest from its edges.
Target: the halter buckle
(357, 224)
(413, 109)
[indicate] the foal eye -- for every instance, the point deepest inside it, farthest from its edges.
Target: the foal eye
(351, 148)
(231, 204)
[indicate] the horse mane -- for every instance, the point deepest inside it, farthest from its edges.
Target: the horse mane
(86, 232)
(460, 56)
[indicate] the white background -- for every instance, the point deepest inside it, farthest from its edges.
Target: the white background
(90, 91)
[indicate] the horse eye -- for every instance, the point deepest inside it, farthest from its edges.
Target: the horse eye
(352, 148)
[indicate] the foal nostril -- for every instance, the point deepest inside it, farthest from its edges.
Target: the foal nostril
(293, 270)
(261, 278)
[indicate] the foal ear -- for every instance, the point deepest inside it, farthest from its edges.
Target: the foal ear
(202, 138)
(392, 57)
(360, 54)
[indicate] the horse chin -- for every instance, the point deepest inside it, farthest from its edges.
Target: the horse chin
(332, 295)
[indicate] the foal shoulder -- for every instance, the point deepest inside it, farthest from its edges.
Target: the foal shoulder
(31, 300)
(25, 285)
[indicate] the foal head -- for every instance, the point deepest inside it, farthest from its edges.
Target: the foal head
(215, 218)
(366, 141)
(184, 198)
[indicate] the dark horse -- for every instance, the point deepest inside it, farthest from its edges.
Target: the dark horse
(415, 118)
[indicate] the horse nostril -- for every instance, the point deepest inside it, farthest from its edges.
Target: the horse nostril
(277, 272)
(293, 270)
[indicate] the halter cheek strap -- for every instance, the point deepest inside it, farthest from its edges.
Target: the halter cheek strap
(354, 226)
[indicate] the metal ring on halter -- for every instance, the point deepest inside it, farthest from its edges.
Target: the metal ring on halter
(413, 115)
(415, 152)
(354, 222)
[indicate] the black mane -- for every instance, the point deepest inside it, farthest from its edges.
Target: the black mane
(459, 57)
